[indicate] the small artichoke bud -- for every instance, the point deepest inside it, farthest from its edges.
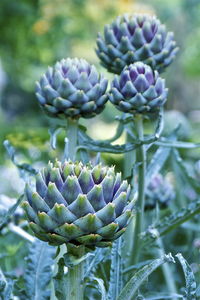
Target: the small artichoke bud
(72, 88)
(79, 205)
(138, 90)
(132, 38)
(159, 191)
(171, 117)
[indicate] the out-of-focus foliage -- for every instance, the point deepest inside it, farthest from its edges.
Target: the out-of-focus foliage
(34, 34)
(182, 17)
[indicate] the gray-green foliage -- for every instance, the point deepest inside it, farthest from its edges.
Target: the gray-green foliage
(38, 271)
(135, 282)
(190, 289)
(6, 287)
(59, 215)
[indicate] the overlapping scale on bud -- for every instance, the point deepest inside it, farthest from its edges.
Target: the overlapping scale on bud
(159, 191)
(138, 89)
(132, 38)
(77, 204)
(72, 88)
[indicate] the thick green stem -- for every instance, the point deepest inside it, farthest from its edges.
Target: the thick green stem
(69, 153)
(141, 160)
(129, 161)
(169, 278)
(74, 282)
(72, 132)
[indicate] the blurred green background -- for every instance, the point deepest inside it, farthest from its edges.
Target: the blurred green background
(37, 33)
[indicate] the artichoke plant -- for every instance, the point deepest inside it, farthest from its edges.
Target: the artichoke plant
(132, 38)
(72, 88)
(138, 89)
(77, 204)
(160, 191)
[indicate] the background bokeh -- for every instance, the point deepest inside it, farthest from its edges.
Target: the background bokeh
(35, 34)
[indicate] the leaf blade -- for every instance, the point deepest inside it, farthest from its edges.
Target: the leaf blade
(134, 283)
(190, 289)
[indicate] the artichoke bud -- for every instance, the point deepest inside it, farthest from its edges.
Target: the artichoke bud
(132, 38)
(78, 205)
(159, 192)
(138, 90)
(72, 88)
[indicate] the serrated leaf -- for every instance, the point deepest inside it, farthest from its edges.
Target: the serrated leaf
(157, 162)
(190, 290)
(38, 271)
(8, 290)
(185, 172)
(21, 166)
(138, 278)
(3, 281)
(159, 158)
(115, 283)
(11, 211)
(100, 254)
(98, 284)
(137, 266)
(169, 223)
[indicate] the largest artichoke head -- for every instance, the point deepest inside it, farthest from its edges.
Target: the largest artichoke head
(77, 204)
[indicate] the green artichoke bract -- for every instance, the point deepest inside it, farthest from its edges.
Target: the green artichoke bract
(138, 89)
(159, 191)
(77, 204)
(132, 38)
(72, 88)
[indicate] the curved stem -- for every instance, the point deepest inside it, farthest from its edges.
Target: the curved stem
(141, 160)
(129, 161)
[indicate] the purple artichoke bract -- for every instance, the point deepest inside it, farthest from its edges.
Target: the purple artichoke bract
(132, 38)
(77, 204)
(72, 88)
(159, 191)
(138, 89)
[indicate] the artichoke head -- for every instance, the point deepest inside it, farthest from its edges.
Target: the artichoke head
(138, 90)
(72, 88)
(132, 38)
(159, 191)
(78, 204)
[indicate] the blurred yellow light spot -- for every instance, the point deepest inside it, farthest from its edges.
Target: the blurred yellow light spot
(41, 27)
(128, 6)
